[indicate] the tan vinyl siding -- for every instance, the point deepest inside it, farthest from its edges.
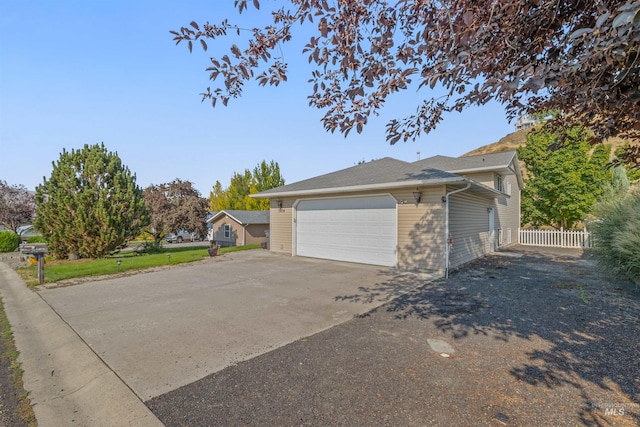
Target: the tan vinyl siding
(507, 218)
(486, 178)
(468, 227)
(280, 230)
(421, 230)
(507, 209)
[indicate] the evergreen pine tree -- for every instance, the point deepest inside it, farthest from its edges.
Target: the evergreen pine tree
(90, 205)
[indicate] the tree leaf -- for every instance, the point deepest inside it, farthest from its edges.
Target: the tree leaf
(467, 17)
(623, 19)
(601, 20)
(580, 32)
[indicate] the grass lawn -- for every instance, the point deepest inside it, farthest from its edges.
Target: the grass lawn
(56, 270)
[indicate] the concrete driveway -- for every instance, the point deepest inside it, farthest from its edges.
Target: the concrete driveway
(161, 330)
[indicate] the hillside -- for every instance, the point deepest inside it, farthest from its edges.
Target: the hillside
(516, 139)
(509, 142)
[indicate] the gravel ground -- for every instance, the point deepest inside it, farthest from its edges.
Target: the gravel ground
(538, 339)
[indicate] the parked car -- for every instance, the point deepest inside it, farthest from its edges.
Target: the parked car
(182, 236)
(27, 231)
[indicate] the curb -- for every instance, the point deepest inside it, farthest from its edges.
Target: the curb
(67, 382)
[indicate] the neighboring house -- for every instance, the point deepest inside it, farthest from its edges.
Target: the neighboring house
(238, 228)
(434, 214)
(526, 122)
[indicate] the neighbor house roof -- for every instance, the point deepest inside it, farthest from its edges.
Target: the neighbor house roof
(243, 217)
(380, 174)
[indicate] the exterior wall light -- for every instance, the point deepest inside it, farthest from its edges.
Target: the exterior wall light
(279, 203)
(417, 195)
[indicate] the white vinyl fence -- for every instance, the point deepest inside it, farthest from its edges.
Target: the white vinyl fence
(555, 238)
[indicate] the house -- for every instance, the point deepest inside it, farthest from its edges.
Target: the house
(528, 121)
(238, 228)
(434, 214)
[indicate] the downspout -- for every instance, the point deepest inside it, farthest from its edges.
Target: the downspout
(244, 235)
(447, 248)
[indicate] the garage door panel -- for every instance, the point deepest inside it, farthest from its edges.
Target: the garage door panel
(362, 229)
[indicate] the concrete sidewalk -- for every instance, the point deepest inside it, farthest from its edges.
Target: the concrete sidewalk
(67, 382)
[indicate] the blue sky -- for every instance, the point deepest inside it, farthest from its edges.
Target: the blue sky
(90, 71)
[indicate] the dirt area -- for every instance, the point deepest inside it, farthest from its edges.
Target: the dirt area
(525, 337)
(9, 391)
(14, 259)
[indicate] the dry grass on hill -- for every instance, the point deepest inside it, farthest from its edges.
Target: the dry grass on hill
(519, 138)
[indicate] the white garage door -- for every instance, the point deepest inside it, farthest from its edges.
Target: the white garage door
(357, 229)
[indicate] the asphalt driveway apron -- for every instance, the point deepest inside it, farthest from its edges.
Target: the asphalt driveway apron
(161, 330)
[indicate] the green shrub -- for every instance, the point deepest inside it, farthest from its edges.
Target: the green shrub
(36, 239)
(9, 241)
(151, 247)
(616, 235)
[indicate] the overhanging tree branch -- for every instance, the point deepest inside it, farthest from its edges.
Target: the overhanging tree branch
(575, 56)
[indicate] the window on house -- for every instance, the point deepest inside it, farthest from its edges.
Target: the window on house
(500, 183)
(227, 231)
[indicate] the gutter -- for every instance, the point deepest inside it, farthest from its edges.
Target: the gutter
(358, 188)
(446, 227)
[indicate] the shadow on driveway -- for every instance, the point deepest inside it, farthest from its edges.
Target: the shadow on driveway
(537, 339)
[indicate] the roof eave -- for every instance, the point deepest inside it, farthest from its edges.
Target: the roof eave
(357, 188)
(482, 169)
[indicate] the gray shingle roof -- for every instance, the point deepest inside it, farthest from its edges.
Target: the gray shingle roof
(383, 171)
(470, 163)
(245, 217)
